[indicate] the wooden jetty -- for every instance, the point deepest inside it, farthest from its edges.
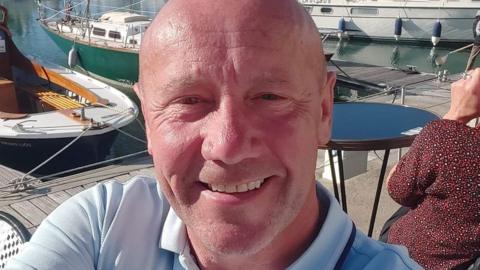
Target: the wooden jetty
(421, 90)
(31, 206)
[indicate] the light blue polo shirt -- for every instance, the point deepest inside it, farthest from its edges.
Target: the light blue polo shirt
(131, 226)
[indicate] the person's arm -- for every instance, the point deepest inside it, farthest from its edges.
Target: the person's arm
(414, 172)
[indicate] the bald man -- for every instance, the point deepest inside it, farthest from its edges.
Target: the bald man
(236, 98)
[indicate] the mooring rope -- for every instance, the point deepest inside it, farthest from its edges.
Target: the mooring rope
(20, 183)
(5, 188)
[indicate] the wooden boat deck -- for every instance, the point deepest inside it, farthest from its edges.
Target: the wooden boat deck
(33, 205)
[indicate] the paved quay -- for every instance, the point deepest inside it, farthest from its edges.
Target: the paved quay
(421, 90)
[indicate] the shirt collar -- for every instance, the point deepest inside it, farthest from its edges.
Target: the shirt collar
(174, 234)
(332, 238)
(326, 248)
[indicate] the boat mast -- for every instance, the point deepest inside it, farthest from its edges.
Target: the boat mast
(87, 15)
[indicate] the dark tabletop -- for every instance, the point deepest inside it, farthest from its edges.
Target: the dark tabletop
(375, 126)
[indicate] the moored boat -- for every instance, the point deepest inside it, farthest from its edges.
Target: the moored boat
(48, 111)
(421, 21)
(107, 46)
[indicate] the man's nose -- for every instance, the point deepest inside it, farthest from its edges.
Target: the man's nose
(231, 135)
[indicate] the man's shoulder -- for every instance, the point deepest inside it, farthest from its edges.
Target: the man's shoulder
(115, 190)
(372, 254)
(105, 202)
(139, 192)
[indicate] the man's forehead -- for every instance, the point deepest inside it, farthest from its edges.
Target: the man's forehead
(232, 20)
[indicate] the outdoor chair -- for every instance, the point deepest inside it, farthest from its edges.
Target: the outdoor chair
(13, 236)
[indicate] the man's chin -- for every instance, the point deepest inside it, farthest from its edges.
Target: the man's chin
(229, 240)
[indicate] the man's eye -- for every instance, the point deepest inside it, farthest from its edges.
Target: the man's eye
(190, 100)
(270, 97)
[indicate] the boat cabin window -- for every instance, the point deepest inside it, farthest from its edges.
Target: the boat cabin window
(364, 11)
(114, 34)
(99, 31)
(326, 10)
(133, 41)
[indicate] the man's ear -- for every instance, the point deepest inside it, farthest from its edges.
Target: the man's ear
(325, 120)
(140, 96)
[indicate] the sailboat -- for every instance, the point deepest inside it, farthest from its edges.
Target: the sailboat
(52, 118)
(106, 46)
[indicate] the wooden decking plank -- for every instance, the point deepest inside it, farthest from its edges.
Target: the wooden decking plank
(123, 178)
(30, 212)
(147, 172)
(386, 77)
(11, 211)
(361, 73)
(75, 190)
(413, 79)
(354, 69)
(89, 185)
(59, 196)
(7, 174)
(45, 204)
(61, 184)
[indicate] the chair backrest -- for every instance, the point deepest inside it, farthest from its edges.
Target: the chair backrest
(13, 236)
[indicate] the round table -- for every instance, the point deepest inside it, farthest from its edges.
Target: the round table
(359, 126)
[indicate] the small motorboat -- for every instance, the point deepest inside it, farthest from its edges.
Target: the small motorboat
(53, 115)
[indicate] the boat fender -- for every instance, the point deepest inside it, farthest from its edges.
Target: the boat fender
(437, 32)
(397, 32)
(72, 57)
(341, 28)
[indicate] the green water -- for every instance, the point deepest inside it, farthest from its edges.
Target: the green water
(33, 41)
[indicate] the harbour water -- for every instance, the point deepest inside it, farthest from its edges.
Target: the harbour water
(398, 56)
(33, 41)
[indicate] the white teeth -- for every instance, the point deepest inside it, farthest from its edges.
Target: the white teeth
(230, 189)
(236, 188)
(242, 188)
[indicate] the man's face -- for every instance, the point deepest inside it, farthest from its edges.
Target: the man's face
(234, 119)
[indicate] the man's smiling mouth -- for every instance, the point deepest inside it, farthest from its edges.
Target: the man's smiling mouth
(245, 187)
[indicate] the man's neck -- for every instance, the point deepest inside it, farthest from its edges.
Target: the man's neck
(286, 247)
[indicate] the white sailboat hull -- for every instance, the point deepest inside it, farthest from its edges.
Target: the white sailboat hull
(375, 20)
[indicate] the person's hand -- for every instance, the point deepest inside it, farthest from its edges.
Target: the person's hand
(465, 98)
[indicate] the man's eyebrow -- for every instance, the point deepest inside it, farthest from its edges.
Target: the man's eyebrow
(181, 82)
(266, 80)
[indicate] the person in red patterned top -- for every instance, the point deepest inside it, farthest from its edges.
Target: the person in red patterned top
(439, 179)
